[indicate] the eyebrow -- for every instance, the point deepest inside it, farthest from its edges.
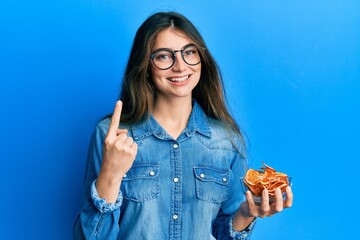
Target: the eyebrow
(187, 45)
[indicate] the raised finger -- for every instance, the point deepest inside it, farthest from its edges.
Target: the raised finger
(289, 197)
(115, 119)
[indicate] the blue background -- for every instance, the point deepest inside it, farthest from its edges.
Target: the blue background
(291, 70)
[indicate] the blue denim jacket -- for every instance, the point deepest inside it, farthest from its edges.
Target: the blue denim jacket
(188, 188)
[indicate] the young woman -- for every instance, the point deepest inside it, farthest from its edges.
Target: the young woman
(167, 164)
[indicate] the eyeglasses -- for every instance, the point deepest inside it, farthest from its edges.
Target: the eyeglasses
(164, 58)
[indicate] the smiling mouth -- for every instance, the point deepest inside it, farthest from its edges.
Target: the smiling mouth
(179, 79)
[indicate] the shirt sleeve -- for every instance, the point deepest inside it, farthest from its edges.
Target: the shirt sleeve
(97, 219)
(244, 234)
(222, 226)
(101, 204)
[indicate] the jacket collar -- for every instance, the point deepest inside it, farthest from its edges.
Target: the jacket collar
(198, 122)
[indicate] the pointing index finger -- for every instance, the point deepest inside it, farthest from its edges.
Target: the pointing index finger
(115, 119)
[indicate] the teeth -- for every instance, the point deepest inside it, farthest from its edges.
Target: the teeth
(179, 79)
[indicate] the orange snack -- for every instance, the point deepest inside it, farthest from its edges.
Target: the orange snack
(268, 178)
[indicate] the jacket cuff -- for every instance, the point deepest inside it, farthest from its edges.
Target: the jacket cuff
(244, 234)
(100, 203)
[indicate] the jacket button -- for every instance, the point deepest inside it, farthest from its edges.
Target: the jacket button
(202, 175)
(175, 146)
(224, 179)
(152, 173)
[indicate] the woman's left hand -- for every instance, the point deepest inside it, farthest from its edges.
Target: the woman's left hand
(249, 209)
(266, 208)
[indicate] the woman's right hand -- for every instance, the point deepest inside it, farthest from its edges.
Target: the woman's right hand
(119, 152)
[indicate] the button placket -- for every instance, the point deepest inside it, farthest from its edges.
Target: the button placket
(176, 190)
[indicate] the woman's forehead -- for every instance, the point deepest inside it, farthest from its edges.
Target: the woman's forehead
(171, 38)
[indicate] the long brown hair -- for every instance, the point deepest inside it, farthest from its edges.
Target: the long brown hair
(138, 90)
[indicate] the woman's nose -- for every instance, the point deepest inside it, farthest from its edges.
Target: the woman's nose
(179, 65)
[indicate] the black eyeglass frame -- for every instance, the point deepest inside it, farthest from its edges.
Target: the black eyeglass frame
(174, 55)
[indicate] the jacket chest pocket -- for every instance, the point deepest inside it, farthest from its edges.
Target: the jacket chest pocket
(212, 184)
(141, 183)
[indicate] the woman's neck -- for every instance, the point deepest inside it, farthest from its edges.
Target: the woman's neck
(173, 114)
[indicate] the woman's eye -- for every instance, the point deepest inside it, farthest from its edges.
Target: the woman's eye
(163, 57)
(190, 52)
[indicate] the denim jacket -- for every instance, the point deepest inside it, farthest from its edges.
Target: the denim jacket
(185, 188)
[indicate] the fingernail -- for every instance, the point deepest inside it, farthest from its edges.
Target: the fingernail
(265, 192)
